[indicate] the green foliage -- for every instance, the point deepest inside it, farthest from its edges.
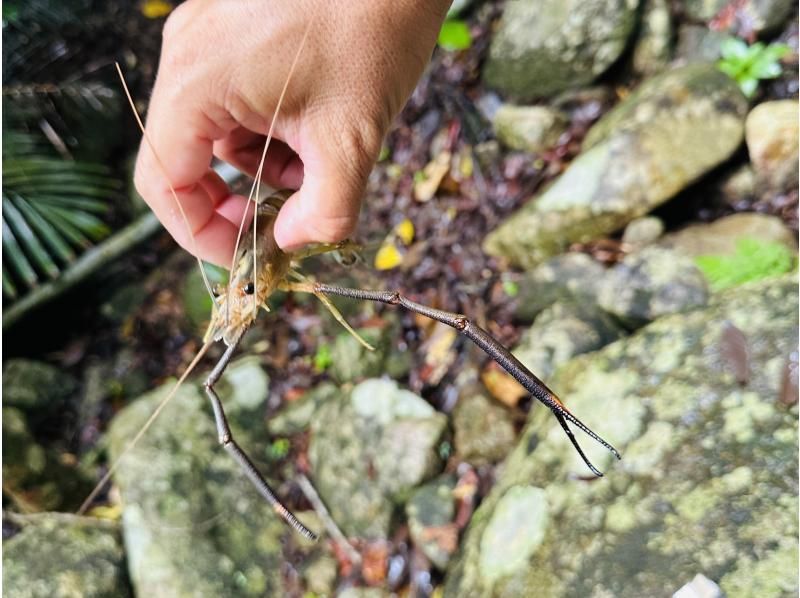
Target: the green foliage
(510, 288)
(455, 35)
(753, 260)
(51, 210)
(278, 449)
(57, 124)
(748, 65)
(323, 359)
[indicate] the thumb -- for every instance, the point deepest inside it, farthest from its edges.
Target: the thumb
(325, 209)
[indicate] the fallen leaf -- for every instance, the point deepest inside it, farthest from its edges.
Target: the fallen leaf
(388, 257)
(112, 512)
(439, 352)
(502, 386)
(405, 231)
(155, 9)
(427, 182)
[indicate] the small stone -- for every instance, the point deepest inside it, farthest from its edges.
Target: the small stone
(35, 386)
(748, 16)
(771, 132)
(652, 283)
(722, 236)
(64, 555)
(564, 277)
(700, 587)
(430, 512)
(320, 575)
(643, 231)
(653, 48)
(562, 331)
(529, 128)
(543, 47)
(352, 362)
(698, 44)
(368, 449)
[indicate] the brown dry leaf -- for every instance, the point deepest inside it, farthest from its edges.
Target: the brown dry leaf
(445, 536)
(502, 386)
(427, 182)
(439, 352)
(375, 563)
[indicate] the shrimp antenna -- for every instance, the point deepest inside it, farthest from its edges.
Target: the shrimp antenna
(169, 183)
(256, 187)
(86, 503)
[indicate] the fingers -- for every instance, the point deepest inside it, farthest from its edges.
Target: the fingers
(177, 152)
(243, 148)
(326, 207)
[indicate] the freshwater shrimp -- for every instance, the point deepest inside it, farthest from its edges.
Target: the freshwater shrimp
(259, 268)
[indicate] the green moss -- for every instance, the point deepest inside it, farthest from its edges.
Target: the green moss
(753, 260)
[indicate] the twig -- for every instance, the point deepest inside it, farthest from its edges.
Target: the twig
(333, 530)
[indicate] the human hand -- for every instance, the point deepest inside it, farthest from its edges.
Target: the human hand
(223, 65)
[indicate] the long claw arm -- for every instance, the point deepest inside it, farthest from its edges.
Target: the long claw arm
(491, 347)
(235, 451)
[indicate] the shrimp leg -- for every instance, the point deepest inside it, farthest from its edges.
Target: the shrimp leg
(229, 444)
(489, 345)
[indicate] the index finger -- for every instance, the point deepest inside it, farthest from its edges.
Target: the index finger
(176, 155)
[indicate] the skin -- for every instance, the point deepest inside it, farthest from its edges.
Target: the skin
(223, 65)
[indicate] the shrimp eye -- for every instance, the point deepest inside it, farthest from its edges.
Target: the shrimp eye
(249, 288)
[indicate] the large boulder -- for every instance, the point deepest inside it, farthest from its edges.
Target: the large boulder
(192, 522)
(672, 130)
(708, 479)
(543, 47)
(59, 555)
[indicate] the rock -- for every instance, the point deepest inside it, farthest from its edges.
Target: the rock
(35, 386)
(653, 49)
(721, 236)
(563, 330)
(320, 574)
(175, 485)
(736, 188)
(529, 128)
(352, 362)
(771, 132)
(564, 277)
(368, 449)
(64, 555)
(34, 478)
(430, 513)
(544, 47)
(643, 231)
(749, 16)
(296, 416)
(483, 428)
(125, 301)
(652, 283)
(708, 480)
(672, 130)
(697, 43)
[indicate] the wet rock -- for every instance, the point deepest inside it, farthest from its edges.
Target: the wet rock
(708, 480)
(193, 524)
(430, 512)
(698, 43)
(771, 132)
(671, 131)
(64, 555)
(542, 48)
(721, 236)
(369, 447)
(529, 128)
(483, 428)
(750, 16)
(653, 49)
(563, 330)
(352, 362)
(652, 283)
(564, 277)
(35, 386)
